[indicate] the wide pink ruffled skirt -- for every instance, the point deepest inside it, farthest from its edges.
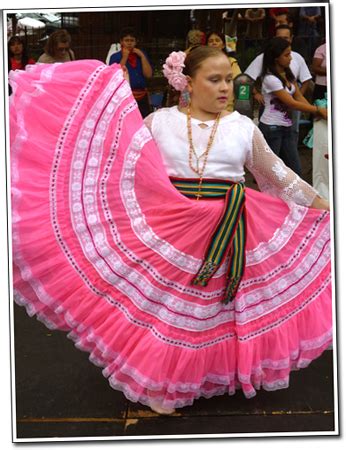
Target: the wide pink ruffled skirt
(105, 248)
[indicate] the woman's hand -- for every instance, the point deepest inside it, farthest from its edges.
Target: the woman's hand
(320, 203)
(259, 98)
(323, 113)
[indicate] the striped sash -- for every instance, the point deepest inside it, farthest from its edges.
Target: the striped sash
(139, 94)
(229, 236)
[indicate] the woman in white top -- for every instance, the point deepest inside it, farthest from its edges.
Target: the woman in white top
(281, 96)
(180, 282)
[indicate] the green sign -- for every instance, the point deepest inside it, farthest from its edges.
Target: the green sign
(244, 92)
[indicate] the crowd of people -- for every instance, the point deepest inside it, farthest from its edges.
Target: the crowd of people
(279, 92)
(255, 24)
(177, 279)
(307, 22)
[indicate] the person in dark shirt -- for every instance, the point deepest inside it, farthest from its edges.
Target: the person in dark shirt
(138, 66)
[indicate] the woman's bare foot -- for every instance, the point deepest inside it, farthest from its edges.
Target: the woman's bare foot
(156, 407)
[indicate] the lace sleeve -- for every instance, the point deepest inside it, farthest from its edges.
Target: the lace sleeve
(274, 177)
(148, 121)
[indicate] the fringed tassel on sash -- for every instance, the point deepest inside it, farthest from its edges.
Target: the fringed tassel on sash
(229, 237)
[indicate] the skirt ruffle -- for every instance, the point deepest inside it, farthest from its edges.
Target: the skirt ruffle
(105, 248)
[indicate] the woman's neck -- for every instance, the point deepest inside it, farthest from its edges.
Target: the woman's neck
(280, 70)
(203, 116)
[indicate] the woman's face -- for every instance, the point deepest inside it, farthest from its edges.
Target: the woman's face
(215, 41)
(62, 48)
(16, 48)
(211, 85)
(284, 59)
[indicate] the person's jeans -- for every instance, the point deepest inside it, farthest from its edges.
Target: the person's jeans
(282, 140)
(296, 115)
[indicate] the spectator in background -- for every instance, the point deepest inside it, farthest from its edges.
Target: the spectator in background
(298, 66)
(283, 19)
(308, 27)
(217, 40)
(317, 139)
(300, 71)
(254, 18)
(138, 66)
(57, 48)
(233, 22)
(275, 16)
(308, 21)
(319, 68)
(194, 38)
(282, 95)
(298, 44)
(17, 54)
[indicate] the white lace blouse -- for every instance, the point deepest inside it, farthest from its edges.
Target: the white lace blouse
(238, 143)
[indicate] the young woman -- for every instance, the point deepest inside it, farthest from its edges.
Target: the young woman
(217, 40)
(18, 57)
(17, 54)
(177, 280)
(282, 95)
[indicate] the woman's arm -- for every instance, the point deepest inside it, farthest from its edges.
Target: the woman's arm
(274, 177)
(317, 67)
(305, 86)
(299, 96)
(299, 102)
(320, 203)
(257, 96)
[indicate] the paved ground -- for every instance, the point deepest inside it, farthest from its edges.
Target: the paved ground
(59, 393)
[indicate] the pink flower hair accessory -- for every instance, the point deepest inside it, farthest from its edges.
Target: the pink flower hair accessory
(173, 70)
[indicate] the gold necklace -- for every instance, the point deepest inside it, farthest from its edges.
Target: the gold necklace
(200, 171)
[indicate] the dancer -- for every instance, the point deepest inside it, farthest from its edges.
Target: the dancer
(281, 96)
(179, 281)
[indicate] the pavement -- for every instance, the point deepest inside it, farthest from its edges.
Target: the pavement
(59, 393)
